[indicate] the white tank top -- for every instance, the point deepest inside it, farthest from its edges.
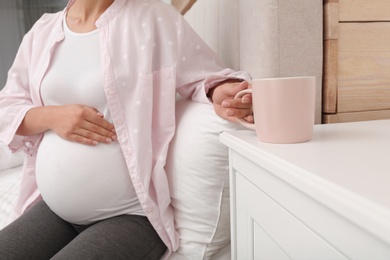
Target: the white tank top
(81, 184)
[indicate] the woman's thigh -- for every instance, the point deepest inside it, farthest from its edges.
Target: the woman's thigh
(37, 234)
(122, 237)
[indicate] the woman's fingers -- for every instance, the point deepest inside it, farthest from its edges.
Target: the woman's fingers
(94, 111)
(82, 140)
(238, 103)
(97, 132)
(99, 124)
(247, 99)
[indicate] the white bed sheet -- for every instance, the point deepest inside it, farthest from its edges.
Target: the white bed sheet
(9, 189)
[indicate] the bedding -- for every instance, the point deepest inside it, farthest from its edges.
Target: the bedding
(9, 188)
(198, 173)
(10, 177)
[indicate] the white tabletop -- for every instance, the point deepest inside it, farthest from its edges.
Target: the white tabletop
(345, 165)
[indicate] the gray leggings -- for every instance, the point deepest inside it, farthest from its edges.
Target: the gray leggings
(41, 234)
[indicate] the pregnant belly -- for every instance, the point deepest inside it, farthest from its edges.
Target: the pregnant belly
(83, 184)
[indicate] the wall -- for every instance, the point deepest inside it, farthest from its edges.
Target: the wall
(16, 18)
(267, 38)
(11, 35)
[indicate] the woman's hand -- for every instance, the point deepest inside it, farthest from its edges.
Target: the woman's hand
(229, 108)
(75, 123)
(81, 124)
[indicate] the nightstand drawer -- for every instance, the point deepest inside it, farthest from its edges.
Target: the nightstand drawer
(271, 232)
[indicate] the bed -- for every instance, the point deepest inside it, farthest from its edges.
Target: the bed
(10, 177)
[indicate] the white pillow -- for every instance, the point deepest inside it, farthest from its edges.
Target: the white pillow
(198, 172)
(9, 160)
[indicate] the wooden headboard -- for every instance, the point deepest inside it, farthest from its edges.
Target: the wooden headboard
(183, 5)
(356, 84)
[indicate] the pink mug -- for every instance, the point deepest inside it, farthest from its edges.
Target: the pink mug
(283, 109)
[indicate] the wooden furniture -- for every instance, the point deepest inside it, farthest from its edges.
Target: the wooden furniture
(356, 81)
(183, 5)
(324, 199)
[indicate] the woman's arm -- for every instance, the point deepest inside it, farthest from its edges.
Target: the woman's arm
(74, 123)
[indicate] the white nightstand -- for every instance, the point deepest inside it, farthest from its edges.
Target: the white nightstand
(325, 199)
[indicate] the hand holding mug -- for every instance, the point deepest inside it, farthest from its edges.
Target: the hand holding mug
(284, 109)
(226, 106)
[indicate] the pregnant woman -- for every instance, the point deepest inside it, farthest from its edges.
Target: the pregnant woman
(91, 98)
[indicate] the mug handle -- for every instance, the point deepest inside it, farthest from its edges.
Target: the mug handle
(241, 121)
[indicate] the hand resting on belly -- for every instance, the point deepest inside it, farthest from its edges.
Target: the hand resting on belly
(75, 123)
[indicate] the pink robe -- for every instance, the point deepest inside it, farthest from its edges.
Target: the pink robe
(148, 53)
